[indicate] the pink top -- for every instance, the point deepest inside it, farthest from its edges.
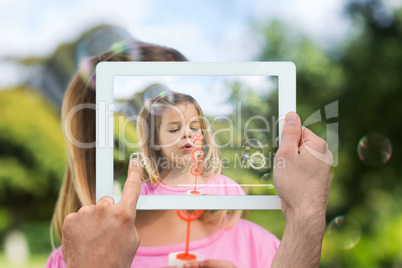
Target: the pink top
(245, 245)
(222, 185)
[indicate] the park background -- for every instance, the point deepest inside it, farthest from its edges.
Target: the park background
(346, 51)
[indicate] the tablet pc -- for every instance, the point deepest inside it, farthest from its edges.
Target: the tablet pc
(206, 133)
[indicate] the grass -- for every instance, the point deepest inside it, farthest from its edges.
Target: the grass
(35, 261)
(271, 220)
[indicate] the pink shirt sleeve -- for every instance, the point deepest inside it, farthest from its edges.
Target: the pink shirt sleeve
(56, 259)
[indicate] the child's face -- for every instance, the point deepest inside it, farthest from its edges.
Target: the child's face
(178, 125)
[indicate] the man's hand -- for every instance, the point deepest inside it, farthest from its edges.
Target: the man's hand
(104, 235)
(302, 174)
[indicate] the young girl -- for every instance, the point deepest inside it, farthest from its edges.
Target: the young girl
(172, 123)
(219, 235)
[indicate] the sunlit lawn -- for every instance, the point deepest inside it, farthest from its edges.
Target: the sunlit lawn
(272, 220)
(35, 261)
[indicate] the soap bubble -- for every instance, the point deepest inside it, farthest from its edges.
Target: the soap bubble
(344, 232)
(106, 39)
(262, 138)
(267, 179)
(137, 156)
(134, 155)
(374, 149)
(277, 141)
(156, 90)
(253, 150)
(257, 161)
(111, 40)
(244, 161)
(252, 146)
(150, 98)
(197, 154)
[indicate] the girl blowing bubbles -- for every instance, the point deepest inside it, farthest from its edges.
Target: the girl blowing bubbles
(166, 129)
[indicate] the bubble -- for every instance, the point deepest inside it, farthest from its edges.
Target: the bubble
(244, 161)
(112, 107)
(103, 43)
(87, 71)
(252, 146)
(257, 160)
(133, 155)
(253, 150)
(106, 39)
(374, 149)
(262, 138)
(344, 232)
(156, 98)
(198, 154)
(156, 90)
(128, 48)
(277, 141)
(134, 163)
(267, 179)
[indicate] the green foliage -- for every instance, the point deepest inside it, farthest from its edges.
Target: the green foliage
(32, 159)
(126, 142)
(365, 78)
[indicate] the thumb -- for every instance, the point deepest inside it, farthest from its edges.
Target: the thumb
(291, 133)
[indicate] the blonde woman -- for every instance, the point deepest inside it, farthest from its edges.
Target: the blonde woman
(105, 234)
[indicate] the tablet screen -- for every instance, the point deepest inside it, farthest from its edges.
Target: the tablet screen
(196, 135)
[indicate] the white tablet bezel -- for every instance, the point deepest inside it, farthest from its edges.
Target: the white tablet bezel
(105, 73)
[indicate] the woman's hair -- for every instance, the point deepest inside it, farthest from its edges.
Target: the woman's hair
(148, 136)
(78, 187)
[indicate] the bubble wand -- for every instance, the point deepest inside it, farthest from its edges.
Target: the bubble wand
(196, 164)
(189, 217)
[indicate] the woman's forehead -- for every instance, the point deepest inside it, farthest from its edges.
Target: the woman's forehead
(177, 113)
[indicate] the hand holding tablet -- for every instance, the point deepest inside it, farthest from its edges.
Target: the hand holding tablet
(238, 107)
(303, 182)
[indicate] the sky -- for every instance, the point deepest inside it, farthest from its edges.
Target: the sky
(199, 87)
(203, 30)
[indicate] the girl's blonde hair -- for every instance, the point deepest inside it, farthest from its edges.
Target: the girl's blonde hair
(78, 187)
(148, 136)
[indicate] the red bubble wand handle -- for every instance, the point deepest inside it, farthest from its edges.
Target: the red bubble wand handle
(189, 217)
(196, 164)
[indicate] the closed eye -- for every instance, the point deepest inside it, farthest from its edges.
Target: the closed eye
(173, 130)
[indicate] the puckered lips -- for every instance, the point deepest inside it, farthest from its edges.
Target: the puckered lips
(187, 147)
